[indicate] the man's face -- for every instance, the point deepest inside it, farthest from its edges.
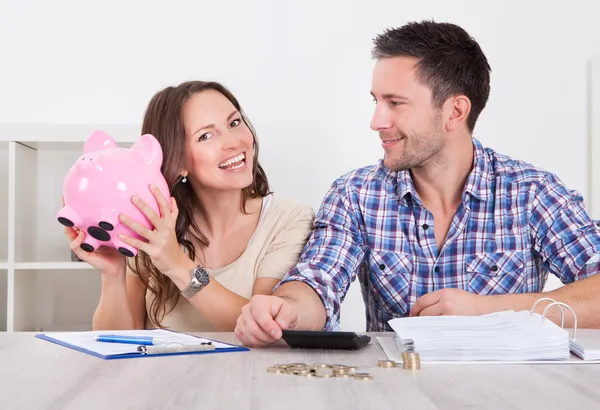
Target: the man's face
(409, 126)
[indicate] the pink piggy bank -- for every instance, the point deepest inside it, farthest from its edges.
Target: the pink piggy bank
(99, 187)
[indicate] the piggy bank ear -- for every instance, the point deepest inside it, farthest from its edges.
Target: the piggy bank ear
(98, 141)
(150, 149)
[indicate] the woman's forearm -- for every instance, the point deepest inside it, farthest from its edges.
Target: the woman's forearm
(113, 312)
(218, 305)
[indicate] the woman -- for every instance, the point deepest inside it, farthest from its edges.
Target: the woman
(222, 226)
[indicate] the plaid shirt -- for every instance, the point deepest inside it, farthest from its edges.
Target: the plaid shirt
(515, 224)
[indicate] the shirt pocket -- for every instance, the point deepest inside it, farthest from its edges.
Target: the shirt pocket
(391, 273)
(495, 273)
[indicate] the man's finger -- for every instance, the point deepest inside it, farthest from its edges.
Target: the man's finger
(264, 319)
(433, 310)
(251, 327)
(424, 302)
(286, 318)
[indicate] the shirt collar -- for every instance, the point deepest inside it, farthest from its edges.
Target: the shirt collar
(479, 181)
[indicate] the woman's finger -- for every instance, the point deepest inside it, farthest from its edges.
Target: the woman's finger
(144, 208)
(136, 227)
(163, 204)
(136, 243)
(174, 209)
(76, 246)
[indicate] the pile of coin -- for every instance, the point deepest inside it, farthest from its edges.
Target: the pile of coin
(410, 358)
(320, 370)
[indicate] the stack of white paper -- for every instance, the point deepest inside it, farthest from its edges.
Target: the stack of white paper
(587, 344)
(501, 336)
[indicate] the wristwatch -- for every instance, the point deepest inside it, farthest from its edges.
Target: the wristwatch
(199, 280)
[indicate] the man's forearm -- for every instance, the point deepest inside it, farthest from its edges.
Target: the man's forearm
(311, 312)
(583, 296)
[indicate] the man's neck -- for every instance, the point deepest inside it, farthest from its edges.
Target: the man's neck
(440, 182)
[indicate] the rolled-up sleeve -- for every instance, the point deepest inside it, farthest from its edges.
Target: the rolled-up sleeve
(564, 236)
(333, 253)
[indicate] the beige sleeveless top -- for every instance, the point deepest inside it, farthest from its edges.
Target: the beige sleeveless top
(274, 248)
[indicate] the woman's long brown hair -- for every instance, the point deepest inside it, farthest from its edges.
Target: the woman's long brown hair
(163, 119)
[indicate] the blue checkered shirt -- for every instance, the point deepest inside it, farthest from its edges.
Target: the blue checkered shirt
(514, 225)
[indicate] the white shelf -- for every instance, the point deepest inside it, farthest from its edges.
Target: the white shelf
(56, 265)
(40, 287)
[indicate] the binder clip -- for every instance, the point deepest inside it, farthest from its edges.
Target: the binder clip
(562, 312)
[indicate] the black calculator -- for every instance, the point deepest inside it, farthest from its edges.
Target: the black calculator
(310, 339)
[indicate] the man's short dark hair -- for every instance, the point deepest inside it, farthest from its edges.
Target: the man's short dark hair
(450, 61)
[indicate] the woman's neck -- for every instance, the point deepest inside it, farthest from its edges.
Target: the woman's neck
(221, 211)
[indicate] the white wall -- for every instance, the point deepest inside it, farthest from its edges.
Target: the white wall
(302, 72)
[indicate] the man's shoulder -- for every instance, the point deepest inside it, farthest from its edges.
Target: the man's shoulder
(516, 171)
(360, 177)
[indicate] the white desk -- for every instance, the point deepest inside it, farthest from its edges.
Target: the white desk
(36, 374)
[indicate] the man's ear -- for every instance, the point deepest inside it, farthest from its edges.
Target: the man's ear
(459, 108)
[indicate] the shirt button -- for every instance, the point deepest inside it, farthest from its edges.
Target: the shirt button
(425, 226)
(495, 268)
(382, 266)
(437, 269)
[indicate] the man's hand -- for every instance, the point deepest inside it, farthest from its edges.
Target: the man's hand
(263, 319)
(450, 301)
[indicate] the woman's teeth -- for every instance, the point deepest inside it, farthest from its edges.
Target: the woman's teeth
(234, 163)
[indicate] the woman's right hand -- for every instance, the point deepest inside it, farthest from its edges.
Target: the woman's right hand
(106, 259)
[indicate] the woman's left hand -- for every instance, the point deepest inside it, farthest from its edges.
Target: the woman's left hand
(162, 246)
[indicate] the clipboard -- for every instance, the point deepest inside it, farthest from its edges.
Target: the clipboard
(177, 344)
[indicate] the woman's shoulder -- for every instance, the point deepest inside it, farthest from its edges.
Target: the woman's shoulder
(286, 209)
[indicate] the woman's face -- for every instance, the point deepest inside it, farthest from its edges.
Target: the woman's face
(219, 146)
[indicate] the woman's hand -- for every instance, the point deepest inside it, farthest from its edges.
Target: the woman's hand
(162, 245)
(106, 259)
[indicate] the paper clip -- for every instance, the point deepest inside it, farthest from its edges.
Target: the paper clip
(175, 348)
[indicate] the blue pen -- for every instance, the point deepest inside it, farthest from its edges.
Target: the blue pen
(134, 340)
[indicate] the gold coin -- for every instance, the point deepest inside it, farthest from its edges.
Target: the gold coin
(344, 375)
(411, 360)
(363, 376)
(273, 369)
(325, 372)
(386, 363)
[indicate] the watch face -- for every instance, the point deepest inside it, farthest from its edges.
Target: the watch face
(201, 275)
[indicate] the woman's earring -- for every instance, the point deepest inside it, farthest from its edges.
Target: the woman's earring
(184, 180)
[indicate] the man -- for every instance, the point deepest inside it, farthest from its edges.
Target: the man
(442, 226)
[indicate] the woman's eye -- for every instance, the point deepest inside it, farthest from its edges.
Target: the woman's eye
(205, 136)
(235, 123)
